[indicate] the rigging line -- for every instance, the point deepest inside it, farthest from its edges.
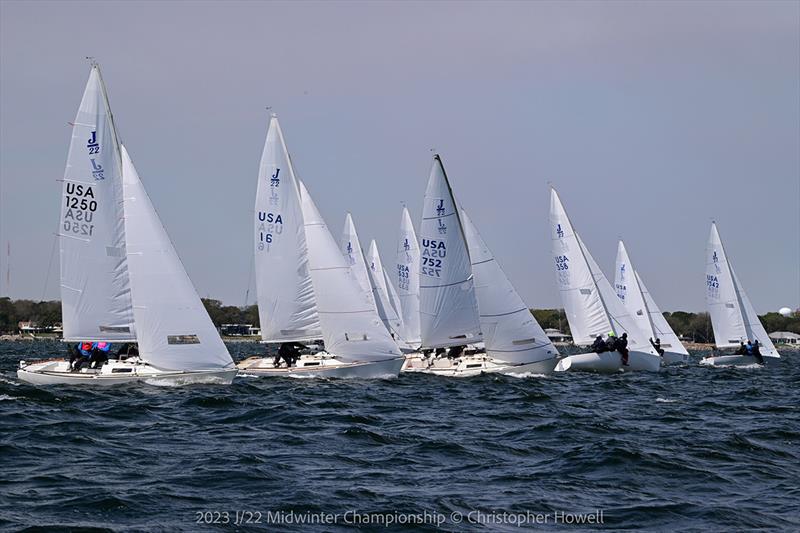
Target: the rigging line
(250, 276)
(49, 266)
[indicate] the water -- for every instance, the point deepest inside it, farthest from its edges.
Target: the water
(689, 448)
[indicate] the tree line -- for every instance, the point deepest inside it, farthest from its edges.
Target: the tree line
(694, 326)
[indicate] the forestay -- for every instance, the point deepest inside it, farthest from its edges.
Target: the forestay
(95, 286)
(510, 333)
(351, 329)
(448, 307)
(732, 315)
(286, 301)
(386, 308)
(407, 277)
(591, 304)
(173, 328)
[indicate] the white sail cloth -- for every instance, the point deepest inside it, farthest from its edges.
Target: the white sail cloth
(351, 329)
(641, 306)
(95, 286)
(173, 328)
(286, 302)
(354, 256)
(510, 332)
(591, 304)
(407, 279)
(732, 315)
(448, 307)
(387, 306)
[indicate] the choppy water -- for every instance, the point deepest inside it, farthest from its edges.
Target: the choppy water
(689, 448)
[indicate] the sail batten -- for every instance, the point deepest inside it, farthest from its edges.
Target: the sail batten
(448, 307)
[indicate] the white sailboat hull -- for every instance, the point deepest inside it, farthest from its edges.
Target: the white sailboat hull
(473, 365)
(322, 366)
(56, 372)
(608, 362)
(732, 360)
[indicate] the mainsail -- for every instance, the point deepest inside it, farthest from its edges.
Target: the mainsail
(732, 315)
(351, 328)
(591, 304)
(95, 286)
(286, 301)
(173, 328)
(354, 256)
(448, 307)
(381, 291)
(510, 333)
(640, 304)
(407, 277)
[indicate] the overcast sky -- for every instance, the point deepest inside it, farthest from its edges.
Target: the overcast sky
(650, 118)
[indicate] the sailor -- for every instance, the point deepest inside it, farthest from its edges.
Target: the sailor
(748, 349)
(599, 345)
(128, 349)
(289, 352)
(757, 352)
(80, 355)
(621, 345)
(657, 346)
(742, 349)
(99, 354)
(455, 352)
(439, 352)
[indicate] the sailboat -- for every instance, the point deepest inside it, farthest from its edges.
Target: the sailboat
(449, 314)
(121, 279)
(513, 338)
(388, 303)
(407, 279)
(591, 304)
(641, 306)
(288, 297)
(732, 315)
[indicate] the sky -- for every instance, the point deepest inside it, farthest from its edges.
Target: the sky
(650, 118)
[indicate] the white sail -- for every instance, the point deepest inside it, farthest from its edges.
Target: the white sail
(591, 304)
(661, 328)
(640, 304)
(354, 255)
(173, 328)
(732, 315)
(407, 277)
(629, 292)
(286, 302)
(448, 307)
(351, 328)
(95, 287)
(386, 310)
(510, 333)
(394, 300)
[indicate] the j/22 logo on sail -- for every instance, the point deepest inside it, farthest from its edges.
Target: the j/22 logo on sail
(92, 144)
(274, 180)
(559, 231)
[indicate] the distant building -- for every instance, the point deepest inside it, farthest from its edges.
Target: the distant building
(784, 337)
(556, 336)
(239, 330)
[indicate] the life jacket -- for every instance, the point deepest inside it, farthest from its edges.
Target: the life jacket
(85, 348)
(103, 346)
